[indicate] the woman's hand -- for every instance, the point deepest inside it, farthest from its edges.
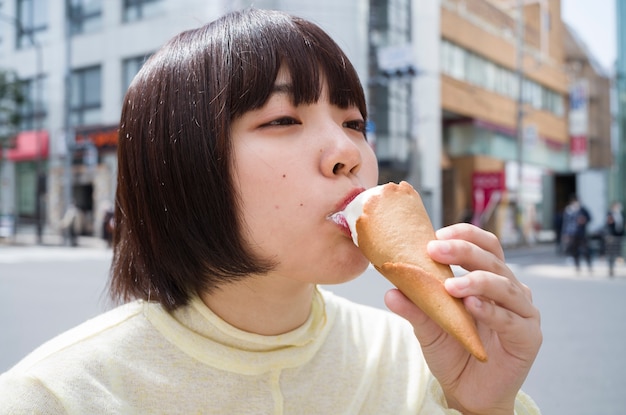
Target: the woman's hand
(507, 321)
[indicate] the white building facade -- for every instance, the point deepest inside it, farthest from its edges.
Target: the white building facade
(99, 49)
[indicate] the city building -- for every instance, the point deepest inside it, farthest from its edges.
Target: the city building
(504, 93)
(75, 59)
(590, 124)
(619, 144)
(469, 100)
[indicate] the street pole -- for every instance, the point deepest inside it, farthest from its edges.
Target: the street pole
(519, 121)
(68, 128)
(38, 111)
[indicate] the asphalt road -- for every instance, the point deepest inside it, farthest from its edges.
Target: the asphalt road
(581, 369)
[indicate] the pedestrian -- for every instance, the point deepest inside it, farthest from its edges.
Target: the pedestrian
(576, 217)
(237, 142)
(108, 224)
(71, 224)
(614, 235)
(557, 223)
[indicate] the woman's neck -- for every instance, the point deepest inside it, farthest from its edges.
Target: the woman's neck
(262, 305)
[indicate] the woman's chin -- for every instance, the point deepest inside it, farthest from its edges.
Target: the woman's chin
(349, 271)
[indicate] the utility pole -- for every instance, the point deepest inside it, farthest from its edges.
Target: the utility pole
(519, 121)
(68, 127)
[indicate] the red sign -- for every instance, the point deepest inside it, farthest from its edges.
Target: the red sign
(29, 145)
(487, 187)
(578, 145)
(102, 137)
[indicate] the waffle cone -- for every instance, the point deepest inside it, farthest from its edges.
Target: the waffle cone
(392, 233)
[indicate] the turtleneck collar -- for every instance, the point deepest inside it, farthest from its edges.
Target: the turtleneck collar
(200, 333)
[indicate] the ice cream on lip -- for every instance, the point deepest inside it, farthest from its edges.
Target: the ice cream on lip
(349, 215)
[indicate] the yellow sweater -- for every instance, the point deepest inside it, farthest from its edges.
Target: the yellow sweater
(139, 359)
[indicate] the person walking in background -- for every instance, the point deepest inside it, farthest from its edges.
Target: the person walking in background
(108, 223)
(575, 220)
(614, 235)
(71, 224)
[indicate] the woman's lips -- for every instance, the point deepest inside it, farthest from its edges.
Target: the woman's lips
(340, 220)
(338, 217)
(349, 198)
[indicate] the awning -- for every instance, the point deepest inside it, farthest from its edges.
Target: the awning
(30, 145)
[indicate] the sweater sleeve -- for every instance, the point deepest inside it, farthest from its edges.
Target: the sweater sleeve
(435, 402)
(27, 395)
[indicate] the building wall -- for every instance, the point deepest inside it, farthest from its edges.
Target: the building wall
(487, 119)
(116, 41)
(619, 178)
(580, 66)
(498, 45)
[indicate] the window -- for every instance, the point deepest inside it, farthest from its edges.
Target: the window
(467, 66)
(130, 67)
(84, 15)
(86, 96)
(474, 69)
(32, 23)
(457, 68)
(141, 9)
(33, 110)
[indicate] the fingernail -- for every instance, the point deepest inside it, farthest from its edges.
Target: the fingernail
(441, 246)
(443, 233)
(459, 283)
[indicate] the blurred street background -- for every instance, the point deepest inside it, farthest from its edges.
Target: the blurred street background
(581, 368)
(497, 111)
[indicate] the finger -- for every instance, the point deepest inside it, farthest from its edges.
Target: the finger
(523, 333)
(507, 292)
(467, 255)
(503, 305)
(473, 234)
(401, 305)
(426, 330)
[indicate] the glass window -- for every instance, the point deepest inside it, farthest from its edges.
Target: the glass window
(86, 96)
(489, 76)
(457, 69)
(464, 65)
(446, 57)
(33, 110)
(84, 15)
(476, 70)
(141, 9)
(32, 22)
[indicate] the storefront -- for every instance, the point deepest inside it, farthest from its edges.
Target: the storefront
(23, 179)
(485, 185)
(94, 173)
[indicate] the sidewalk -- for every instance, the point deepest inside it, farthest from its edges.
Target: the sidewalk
(541, 259)
(26, 236)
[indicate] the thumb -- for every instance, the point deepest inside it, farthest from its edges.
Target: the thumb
(441, 351)
(422, 324)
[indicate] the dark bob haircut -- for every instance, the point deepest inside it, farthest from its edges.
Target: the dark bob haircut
(178, 228)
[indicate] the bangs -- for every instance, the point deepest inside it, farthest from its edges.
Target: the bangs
(303, 49)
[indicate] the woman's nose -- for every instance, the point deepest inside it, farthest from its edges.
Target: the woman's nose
(341, 154)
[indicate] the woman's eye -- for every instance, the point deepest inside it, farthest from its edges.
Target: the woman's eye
(357, 125)
(283, 121)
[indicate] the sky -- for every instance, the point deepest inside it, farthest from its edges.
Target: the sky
(594, 21)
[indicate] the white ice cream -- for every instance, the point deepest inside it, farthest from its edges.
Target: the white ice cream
(355, 209)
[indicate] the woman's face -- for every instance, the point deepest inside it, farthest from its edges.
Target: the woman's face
(293, 167)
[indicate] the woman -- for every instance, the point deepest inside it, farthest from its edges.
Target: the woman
(237, 142)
